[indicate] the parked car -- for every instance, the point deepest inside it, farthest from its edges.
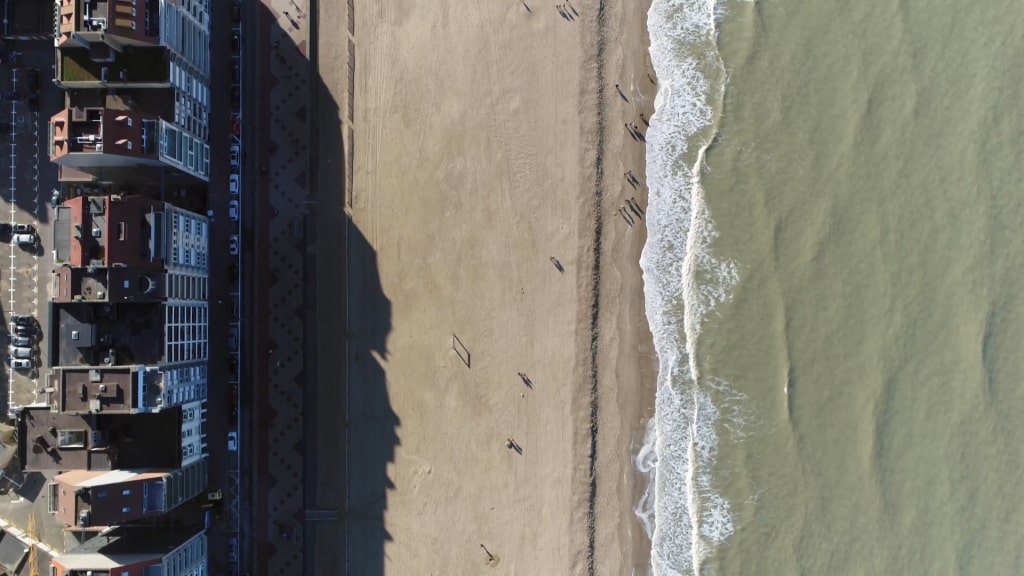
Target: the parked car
(233, 245)
(236, 152)
(233, 337)
(32, 77)
(26, 330)
(236, 42)
(22, 341)
(25, 239)
(233, 210)
(236, 97)
(21, 364)
(24, 229)
(33, 86)
(234, 183)
(5, 228)
(21, 352)
(23, 319)
(233, 441)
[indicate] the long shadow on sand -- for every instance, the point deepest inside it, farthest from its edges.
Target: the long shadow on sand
(372, 433)
(352, 395)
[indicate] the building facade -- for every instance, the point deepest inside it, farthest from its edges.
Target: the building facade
(136, 552)
(156, 55)
(120, 258)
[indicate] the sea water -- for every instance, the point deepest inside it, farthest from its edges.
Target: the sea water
(834, 279)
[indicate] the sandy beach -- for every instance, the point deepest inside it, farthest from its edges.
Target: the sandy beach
(489, 154)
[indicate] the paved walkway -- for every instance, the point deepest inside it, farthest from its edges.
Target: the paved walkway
(284, 131)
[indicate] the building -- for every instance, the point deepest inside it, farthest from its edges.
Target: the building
(162, 441)
(130, 309)
(95, 498)
(143, 551)
(140, 72)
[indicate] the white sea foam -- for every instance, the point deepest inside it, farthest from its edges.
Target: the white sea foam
(683, 282)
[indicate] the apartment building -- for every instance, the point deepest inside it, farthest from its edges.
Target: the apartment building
(142, 551)
(130, 310)
(161, 441)
(91, 499)
(140, 75)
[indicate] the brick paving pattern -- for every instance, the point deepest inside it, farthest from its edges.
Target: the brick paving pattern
(286, 182)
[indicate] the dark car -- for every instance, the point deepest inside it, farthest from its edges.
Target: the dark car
(236, 42)
(24, 229)
(33, 85)
(236, 13)
(236, 97)
(23, 320)
(12, 95)
(33, 80)
(5, 229)
(26, 330)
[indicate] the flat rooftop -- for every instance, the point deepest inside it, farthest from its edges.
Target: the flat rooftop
(108, 334)
(58, 441)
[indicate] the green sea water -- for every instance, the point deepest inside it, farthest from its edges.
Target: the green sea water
(866, 181)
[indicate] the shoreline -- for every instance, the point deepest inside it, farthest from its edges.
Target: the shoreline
(628, 380)
(636, 345)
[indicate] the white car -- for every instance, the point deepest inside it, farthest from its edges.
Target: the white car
(236, 152)
(233, 245)
(234, 183)
(25, 239)
(21, 364)
(232, 441)
(233, 210)
(21, 352)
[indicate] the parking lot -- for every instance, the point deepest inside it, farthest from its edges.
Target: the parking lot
(27, 180)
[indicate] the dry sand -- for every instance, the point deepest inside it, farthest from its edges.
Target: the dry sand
(488, 140)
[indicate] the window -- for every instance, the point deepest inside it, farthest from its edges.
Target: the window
(126, 492)
(129, 144)
(121, 228)
(71, 438)
(126, 509)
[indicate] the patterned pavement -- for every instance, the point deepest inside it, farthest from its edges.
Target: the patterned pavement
(282, 38)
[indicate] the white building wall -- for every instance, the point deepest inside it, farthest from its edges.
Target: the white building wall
(192, 445)
(189, 559)
(185, 32)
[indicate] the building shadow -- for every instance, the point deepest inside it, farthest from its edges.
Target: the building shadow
(350, 429)
(372, 423)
